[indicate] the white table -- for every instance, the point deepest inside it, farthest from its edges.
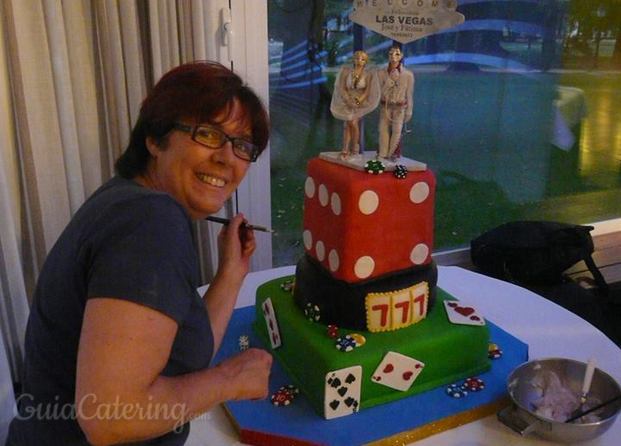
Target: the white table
(548, 329)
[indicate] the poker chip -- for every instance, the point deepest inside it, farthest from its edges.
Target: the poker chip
(244, 343)
(312, 312)
(374, 167)
(282, 397)
(456, 391)
(400, 172)
(473, 384)
(359, 339)
(288, 285)
(494, 354)
(293, 390)
(345, 343)
(493, 351)
(333, 331)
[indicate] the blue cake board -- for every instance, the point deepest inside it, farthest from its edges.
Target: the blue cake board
(261, 423)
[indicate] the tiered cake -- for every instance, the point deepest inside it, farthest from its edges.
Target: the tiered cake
(364, 323)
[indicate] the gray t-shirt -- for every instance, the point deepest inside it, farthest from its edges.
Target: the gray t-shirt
(126, 242)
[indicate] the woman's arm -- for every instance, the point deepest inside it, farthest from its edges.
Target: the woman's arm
(236, 244)
(121, 395)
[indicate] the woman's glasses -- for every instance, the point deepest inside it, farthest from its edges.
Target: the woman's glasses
(214, 138)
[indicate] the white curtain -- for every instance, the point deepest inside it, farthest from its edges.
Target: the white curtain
(72, 76)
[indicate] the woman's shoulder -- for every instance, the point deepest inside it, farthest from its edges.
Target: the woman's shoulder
(123, 199)
(119, 189)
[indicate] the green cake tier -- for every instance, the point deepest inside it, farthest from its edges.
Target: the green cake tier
(450, 352)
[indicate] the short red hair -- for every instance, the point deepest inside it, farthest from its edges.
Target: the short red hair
(198, 91)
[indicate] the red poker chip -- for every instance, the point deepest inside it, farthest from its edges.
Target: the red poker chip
(333, 331)
(474, 384)
(282, 397)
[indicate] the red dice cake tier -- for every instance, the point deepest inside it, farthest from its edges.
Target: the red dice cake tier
(361, 226)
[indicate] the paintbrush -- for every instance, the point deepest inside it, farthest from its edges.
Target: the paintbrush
(226, 221)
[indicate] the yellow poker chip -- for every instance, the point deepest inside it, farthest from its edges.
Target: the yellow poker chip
(359, 339)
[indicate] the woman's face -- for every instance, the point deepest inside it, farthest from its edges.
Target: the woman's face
(360, 60)
(198, 177)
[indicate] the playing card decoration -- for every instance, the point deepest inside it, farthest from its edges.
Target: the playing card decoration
(342, 392)
(462, 314)
(271, 322)
(397, 371)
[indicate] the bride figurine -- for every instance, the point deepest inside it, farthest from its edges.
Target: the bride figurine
(356, 93)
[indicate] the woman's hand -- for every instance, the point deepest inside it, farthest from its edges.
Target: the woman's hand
(236, 244)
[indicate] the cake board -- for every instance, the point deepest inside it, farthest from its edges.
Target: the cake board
(358, 161)
(261, 423)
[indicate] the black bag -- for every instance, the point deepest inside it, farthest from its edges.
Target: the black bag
(534, 252)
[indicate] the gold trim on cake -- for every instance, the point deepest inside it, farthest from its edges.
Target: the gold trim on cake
(442, 425)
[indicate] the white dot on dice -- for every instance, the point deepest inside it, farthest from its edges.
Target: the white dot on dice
(419, 254)
(320, 249)
(309, 187)
(368, 202)
(419, 192)
(335, 203)
(323, 195)
(364, 267)
(307, 237)
(333, 260)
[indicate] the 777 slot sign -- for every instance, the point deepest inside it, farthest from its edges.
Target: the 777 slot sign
(397, 309)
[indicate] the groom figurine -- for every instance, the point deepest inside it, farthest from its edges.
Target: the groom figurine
(397, 92)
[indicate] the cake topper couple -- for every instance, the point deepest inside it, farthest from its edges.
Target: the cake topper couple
(358, 91)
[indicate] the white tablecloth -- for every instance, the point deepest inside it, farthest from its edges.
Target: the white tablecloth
(548, 329)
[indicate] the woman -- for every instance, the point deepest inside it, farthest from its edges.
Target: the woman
(119, 341)
(356, 93)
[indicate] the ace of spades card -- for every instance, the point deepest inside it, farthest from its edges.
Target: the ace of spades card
(462, 314)
(272, 324)
(342, 392)
(397, 371)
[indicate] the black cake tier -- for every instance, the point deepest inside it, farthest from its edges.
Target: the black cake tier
(331, 301)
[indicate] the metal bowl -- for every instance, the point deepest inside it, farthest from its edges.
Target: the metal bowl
(521, 416)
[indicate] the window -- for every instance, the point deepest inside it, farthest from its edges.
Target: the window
(514, 111)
